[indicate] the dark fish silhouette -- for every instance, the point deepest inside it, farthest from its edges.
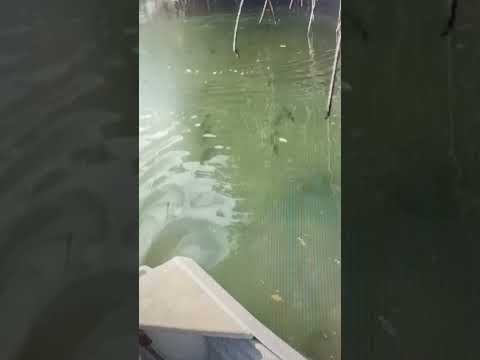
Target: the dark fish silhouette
(289, 114)
(277, 120)
(274, 141)
(285, 113)
(275, 149)
(206, 125)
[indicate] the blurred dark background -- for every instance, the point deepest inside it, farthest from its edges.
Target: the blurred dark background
(68, 179)
(410, 175)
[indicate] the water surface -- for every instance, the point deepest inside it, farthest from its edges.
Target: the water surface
(240, 170)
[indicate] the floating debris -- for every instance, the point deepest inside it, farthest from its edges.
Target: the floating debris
(193, 116)
(242, 73)
(197, 125)
(277, 298)
(218, 147)
(188, 71)
(214, 73)
(209, 135)
(337, 261)
(302, 242)
(235, 70)
(283, 140)
(283, 45)
(197, 71)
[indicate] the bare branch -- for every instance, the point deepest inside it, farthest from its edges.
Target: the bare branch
(335, 61)
(332, 79)
(263, 11)
(271, 9)
(311, 17)
(273, 12)
(234, 45)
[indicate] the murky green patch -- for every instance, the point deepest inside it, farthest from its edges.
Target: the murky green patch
(240, 170)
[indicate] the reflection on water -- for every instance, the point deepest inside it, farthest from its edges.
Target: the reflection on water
(239, 169)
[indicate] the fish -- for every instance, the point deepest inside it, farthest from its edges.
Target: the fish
(206, 124)
(289, 114)
(284, 113)
(275, 149)
(274, 142)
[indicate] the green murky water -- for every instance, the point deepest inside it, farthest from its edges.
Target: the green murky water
(239, 169)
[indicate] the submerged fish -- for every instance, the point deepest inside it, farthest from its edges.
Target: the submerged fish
(289, 114)
(284, 113)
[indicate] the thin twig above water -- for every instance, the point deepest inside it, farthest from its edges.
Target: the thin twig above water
(335, 61)
(311, 17)
(234, 45)
(271, 9)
